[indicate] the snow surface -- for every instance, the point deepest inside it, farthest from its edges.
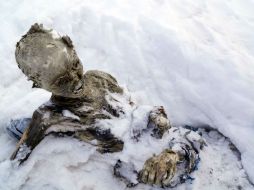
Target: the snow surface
(196, 58)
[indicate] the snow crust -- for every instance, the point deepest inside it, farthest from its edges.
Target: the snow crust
(193, 57)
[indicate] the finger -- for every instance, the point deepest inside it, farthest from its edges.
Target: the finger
(143, 176)
(160, 175)
(152, 175)
(170, 174)
(145, 171)
(161, 172)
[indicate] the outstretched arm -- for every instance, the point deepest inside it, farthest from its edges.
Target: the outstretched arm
(31, 137)
(43, 118)
(50, 119)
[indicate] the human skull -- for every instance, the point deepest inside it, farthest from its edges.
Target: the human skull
(50, 61)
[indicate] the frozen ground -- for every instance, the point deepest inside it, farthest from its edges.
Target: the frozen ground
(194, 57)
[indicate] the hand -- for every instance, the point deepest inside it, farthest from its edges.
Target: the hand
(158, 120)
(160, 169)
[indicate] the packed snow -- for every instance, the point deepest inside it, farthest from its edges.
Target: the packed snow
(193, 57)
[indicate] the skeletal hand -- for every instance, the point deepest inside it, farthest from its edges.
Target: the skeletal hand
(160, 169)
(158, 120)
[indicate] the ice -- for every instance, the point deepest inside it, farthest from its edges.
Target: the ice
(193, 57)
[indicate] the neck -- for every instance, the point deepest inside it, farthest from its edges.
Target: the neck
(67, 101)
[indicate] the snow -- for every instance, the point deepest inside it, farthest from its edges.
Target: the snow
(69, 114)
(24, 150)
(227, 172)
(193, 57)
(55, 35)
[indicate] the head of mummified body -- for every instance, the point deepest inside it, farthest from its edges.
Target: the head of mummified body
(50, 61)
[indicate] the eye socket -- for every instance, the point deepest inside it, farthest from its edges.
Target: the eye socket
(63, 80)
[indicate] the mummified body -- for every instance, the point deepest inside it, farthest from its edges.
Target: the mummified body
(80, 100)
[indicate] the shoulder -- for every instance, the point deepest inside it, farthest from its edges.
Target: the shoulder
(100, 79)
